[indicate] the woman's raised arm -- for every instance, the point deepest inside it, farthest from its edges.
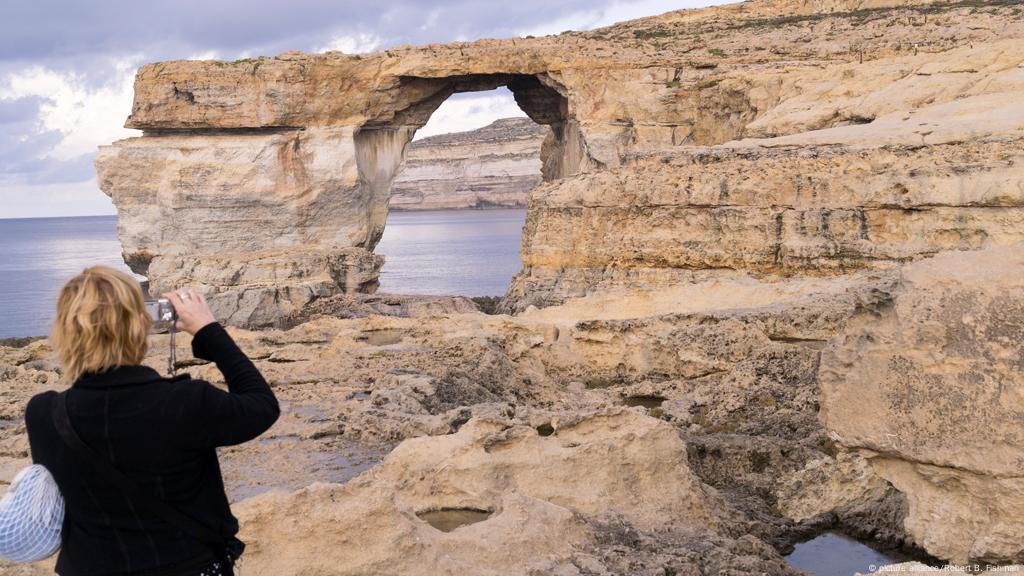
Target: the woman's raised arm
(249, 407)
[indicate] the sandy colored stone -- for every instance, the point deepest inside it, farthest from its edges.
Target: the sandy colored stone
(542, 491)
(827, 484)
(736, 373)
(271, 221)
(769, 137)
(670, 219)
(929, 383)
(269, 287)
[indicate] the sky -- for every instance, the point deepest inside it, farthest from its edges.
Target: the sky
(66, 67)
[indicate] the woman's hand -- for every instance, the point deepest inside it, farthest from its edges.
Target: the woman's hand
(193, 311)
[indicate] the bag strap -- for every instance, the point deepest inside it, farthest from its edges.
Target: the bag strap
(135, 492)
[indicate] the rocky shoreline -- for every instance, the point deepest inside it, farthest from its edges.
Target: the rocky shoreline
(673, 429)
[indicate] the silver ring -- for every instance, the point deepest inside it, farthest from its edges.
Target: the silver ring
(184, 296)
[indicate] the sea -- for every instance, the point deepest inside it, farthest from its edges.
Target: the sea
(458, 252)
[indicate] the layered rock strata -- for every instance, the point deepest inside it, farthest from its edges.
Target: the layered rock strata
(725, 191)
(785, 105)
(786, 211)
(493, 167)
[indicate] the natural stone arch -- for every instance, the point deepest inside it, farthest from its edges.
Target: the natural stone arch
(272, 218)
(692, 145)
(380, 143)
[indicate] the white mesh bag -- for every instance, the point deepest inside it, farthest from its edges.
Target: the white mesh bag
(31, 513)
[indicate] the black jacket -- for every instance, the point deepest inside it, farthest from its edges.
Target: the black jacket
(161, 433)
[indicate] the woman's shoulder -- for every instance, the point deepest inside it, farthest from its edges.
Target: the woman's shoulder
(39, 408)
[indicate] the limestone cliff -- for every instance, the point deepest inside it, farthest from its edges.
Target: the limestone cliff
(493, 167)
(724, 191)
(699, 142)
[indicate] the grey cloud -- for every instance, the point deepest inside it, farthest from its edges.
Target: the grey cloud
(50, 171)
(54, 29)
(23, 157)
(87, 38)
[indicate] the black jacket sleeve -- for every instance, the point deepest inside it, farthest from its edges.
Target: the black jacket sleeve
(249, 407)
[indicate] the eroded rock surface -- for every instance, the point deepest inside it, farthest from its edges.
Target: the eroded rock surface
(928, 385)
(770, 137)
(542, 498)
(724, 190)
(712, 384)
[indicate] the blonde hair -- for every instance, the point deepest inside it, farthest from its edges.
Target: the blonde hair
(101, 322)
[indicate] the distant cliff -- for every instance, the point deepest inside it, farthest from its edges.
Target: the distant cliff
(494, 166)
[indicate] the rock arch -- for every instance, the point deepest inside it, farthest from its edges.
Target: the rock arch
(775, 139)
(270, 211)
(380, 143)
(685, 146)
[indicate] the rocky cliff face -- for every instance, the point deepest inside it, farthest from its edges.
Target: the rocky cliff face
(493, 167)
(752, 122)
(725, 191)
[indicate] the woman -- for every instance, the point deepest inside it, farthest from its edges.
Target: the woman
(160, 433)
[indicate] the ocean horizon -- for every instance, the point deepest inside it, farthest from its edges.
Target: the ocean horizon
(455, 252)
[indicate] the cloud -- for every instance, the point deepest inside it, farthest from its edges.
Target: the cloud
(17, 110)
(469, 111)
(85, 117)
(206, 55)
(46, 156)
(613, 12)
(357, 43)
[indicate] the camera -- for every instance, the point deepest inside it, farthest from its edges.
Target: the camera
(161, 311)
(164, 316)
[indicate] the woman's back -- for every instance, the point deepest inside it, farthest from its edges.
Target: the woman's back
(161, 433)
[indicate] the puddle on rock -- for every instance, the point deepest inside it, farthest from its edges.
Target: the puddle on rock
(448, 519)
(644, 401)
(384, 337)
(835, 554)
(288, 462)
(812, 343)
(305, 411)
